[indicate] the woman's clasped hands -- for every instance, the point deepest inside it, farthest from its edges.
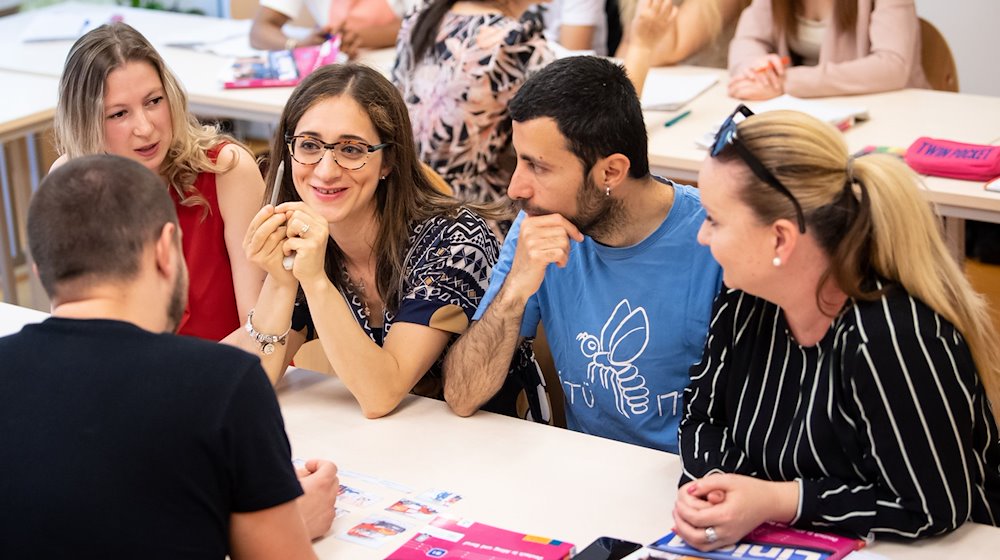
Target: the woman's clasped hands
(720, 509)
(290, 233)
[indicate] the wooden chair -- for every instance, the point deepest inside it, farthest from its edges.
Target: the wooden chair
(436, 180)
(936, 58)
(553, 386)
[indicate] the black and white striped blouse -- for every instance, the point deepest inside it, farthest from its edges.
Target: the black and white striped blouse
(884, 422)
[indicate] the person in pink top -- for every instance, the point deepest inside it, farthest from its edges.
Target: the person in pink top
(817, 48)
(368, 24)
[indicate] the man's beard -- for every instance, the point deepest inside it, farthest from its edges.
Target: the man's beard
(178, 301)
(597, 213)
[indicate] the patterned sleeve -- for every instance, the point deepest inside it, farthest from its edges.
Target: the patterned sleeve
(703, 438)
(448, 272)
(910, 387)
(522, 52)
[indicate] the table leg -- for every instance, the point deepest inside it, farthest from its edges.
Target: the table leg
(954, 238)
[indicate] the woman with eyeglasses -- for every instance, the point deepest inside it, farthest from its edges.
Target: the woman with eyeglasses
(117, 96)
(846, 380)
(361, 251)
(819, 48)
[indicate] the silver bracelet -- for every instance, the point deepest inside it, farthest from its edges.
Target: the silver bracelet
(267, 341)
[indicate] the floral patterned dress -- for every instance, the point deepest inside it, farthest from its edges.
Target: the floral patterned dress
(457, 95)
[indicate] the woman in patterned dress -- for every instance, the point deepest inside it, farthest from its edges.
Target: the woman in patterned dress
(385, 270)
(457, 65)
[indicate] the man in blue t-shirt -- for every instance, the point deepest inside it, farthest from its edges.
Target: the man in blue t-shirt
(603, 254)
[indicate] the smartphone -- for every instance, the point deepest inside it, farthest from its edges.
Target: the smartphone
(607, 548)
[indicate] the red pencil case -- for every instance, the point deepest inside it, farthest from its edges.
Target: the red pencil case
(944, 158)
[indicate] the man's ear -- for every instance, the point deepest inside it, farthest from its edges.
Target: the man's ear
(612, 171)
(167, 252)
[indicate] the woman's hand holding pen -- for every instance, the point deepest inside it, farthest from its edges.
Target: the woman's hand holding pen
(764, 79)
(306, 237)
(264, 243)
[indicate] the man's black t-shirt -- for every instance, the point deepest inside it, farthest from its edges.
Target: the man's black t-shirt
(118, 442)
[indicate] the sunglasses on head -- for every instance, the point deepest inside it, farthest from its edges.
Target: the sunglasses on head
(727, 137)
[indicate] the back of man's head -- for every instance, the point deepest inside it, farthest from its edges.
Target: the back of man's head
(595, 107)
(91, 219)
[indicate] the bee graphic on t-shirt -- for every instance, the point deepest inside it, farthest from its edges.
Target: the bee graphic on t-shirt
(623, 339)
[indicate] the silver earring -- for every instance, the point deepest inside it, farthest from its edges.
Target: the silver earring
(607, 190)
(776, 261)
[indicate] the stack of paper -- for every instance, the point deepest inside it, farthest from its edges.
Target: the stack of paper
(841, 115)
(832, 112)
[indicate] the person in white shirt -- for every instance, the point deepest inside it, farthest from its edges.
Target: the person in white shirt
(578, 25)
(369, 24)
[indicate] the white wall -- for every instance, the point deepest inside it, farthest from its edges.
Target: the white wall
(971, 28)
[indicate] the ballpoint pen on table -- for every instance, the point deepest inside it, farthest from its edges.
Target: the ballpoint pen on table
(677, 118)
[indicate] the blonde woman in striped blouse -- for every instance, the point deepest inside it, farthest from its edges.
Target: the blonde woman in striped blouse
(844, 382)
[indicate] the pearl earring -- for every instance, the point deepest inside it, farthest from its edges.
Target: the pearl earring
(776, 261)
(607, 190)
(382, 178)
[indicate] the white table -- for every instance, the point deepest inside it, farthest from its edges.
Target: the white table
(511, 473)
(514, 474)
(13, 317)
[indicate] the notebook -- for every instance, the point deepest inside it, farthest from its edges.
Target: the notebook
(669, 91)
(58, 26)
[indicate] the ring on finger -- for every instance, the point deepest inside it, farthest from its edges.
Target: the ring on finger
(303, 230)
(710, 535)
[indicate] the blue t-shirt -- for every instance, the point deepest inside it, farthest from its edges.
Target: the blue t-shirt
(624, 324)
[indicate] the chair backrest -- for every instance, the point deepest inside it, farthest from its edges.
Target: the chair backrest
(936, 58)
(550, 376)
(436, 180)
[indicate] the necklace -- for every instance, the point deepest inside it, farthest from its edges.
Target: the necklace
(359, 289)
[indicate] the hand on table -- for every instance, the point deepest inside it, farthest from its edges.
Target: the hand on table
(764, 79)
(320, 485)
(731, 505)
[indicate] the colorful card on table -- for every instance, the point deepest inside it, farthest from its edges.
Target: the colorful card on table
(374, 531)
(413, 509)
(355, 496)
(442, 498)
(770, 540)
(282, 68)
(452, 538)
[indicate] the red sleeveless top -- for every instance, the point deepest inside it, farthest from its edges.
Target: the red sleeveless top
(211, 310)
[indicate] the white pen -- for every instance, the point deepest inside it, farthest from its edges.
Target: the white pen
(288, 261)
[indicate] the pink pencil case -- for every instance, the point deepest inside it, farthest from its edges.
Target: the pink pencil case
(945, 158)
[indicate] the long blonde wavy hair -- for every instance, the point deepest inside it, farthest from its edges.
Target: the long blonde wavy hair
(79, 119)
(870, 217)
